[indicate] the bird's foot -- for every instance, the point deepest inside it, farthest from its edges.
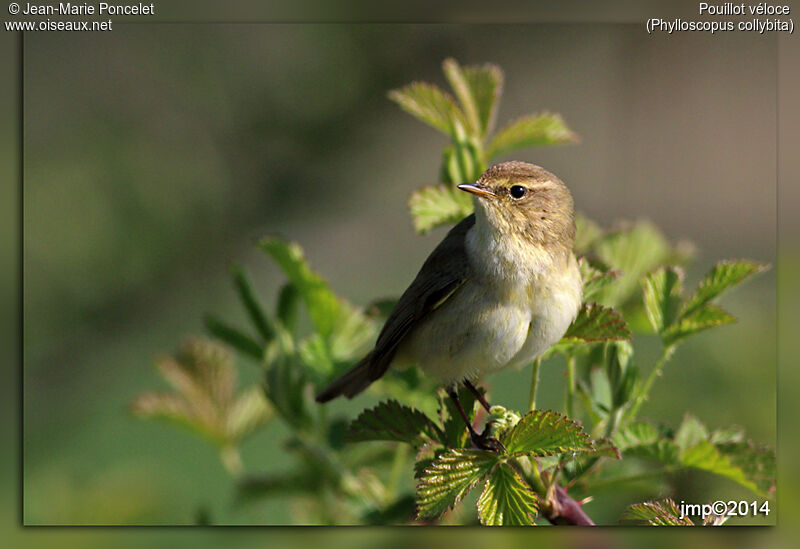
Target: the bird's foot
(485, 441)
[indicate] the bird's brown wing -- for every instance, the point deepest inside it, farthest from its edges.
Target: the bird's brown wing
(445, 270)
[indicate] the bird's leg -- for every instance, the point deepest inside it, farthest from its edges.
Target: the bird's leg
(477, 394)
(481, 441)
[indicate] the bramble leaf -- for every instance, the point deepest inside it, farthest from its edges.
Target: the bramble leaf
(391, 420)
(531, 131)
(251, 305)
(233, 337)
(662, 296)
(690, 433)
(597, 323)
(449, 479)
(634, 251)
(478, 90)
(286, 308)
(657, 513)
(429, 104)
(743, 463)
(594, 279)
(701, 319)
(544, 433)
(437, 205)
(507, 499)
(721, 277)
(342, 326)
(587, 232)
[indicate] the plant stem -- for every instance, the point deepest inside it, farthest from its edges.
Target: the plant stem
(656, 372)
(534, 383)
(570, 385)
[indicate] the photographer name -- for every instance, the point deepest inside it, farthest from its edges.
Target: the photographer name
(103, 8)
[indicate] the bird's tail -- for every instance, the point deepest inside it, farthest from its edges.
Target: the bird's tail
(355, 380)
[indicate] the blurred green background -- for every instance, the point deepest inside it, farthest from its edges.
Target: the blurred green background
(154, 157)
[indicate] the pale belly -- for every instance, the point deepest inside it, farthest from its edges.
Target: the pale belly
(480, 330)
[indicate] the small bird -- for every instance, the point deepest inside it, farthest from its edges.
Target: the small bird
(498, 291)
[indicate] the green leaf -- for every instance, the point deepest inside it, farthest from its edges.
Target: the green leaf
(722, 276)
(285, 388)
(701, 319)
(248, 299)
(756, 462)
(391, 420)
(594, 279)
(449, 478)
(597, 323)
(691, 432)
(641, 439)
(506, 499)
(531, 131)
(544, 433)
(316, 355)
(478, 90)
(341, 325)
(634, 251)
(662, 296)
(587, 232)
(743, 463)
(248, 412)
(430, 105)
(437, 205)
(286, 309)
(233, 337)
(657, 513)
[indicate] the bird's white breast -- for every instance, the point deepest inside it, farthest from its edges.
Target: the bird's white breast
(507, 313)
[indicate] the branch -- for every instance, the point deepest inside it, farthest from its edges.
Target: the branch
(567, 511)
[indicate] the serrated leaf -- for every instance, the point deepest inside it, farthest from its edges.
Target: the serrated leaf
(233, 337)
(708, 316)
(544, 433)
(721, 277)
(507, 500)
(390, 420)
(531, 131)
(657, 513)
(594, 279)
(449, 479)
(662, 290)
(339, 323)
(251, 305)
(634, 251)
(429, 104)
(690, 433)
(597, 323)
(437, 205)
(478, 89)
(743, 463)
(641, 439)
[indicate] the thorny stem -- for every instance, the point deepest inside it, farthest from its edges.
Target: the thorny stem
(534, 383)
(656, 372)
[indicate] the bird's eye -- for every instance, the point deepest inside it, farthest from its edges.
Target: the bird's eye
(517, 191)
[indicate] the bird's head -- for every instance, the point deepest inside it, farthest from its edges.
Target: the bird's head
(526, 202)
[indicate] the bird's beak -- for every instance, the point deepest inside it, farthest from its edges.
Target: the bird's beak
(477, 189)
